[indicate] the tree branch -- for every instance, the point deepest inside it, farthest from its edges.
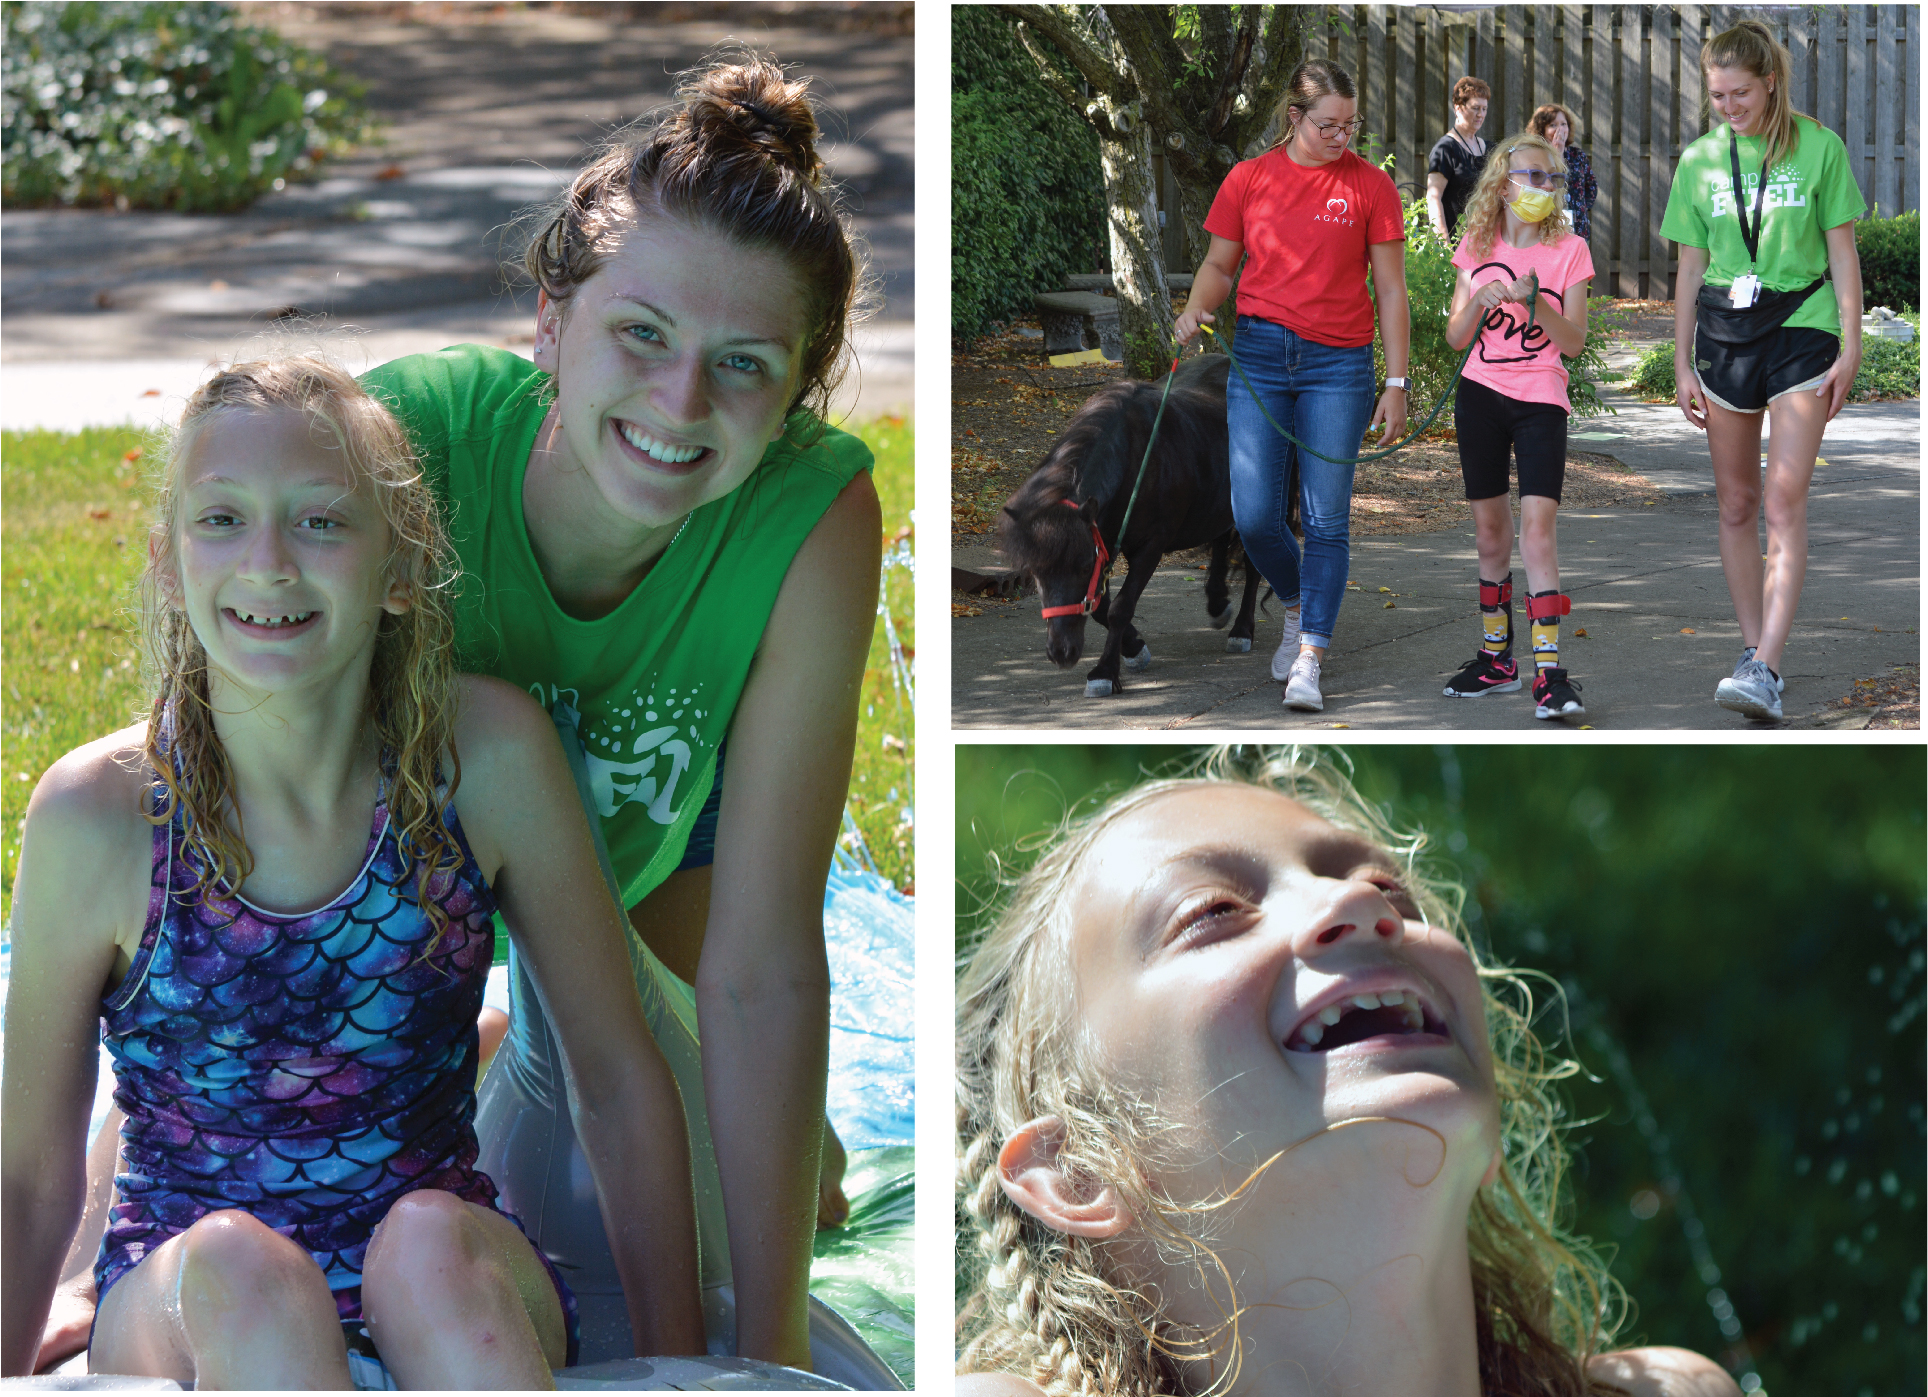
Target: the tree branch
(1280, 45)
(1144, 33)
(1232, 75)
(1055, 24)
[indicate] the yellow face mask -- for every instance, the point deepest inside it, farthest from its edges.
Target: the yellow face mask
(1533, 205)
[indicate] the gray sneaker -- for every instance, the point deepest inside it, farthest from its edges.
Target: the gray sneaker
(1751, 689)
(1302, 684)
(1747, 653)
(1288, 650)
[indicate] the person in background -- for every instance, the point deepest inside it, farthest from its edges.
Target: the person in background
(1555, 125)
(1454, 166)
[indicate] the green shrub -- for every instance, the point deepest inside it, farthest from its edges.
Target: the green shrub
(1430, 279)
(1889, 369)
(174, 105)
(1890, 251)
(1027, 197)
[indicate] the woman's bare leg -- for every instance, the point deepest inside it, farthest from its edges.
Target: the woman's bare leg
(1798, 421)
(456, 1298)
(229, 1304)
(1734, 443)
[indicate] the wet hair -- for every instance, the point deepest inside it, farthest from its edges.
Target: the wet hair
(735, 153)
(1485, 215)
(1467, 88)
(1751, 45)
(411, 682)
(1541, 122)
(1056, 1309)
(1311, 80)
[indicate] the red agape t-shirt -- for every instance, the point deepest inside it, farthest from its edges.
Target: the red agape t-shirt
(1305, 231)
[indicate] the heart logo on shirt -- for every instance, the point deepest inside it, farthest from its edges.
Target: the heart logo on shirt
(1337, 206)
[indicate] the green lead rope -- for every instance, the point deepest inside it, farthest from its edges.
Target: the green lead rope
(1532, 318)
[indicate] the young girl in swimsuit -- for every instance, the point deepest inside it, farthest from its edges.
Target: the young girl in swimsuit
(274, 896)
(1239, 1111)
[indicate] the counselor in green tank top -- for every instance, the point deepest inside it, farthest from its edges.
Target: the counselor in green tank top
(650, 688)
(1809, 191)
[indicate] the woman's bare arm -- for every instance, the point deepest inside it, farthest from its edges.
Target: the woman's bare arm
(1210, 286)
(763, 984)
(525, 822)
(1436, 203)
(79, 899)
(1687, 284)
(1388, 262)
(1844, 265)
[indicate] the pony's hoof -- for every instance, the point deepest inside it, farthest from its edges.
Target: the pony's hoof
(1098, 688)
(1222, 619)
(1238, 644)
(1140, 661)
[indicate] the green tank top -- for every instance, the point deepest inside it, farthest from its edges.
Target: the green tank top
(651, 687)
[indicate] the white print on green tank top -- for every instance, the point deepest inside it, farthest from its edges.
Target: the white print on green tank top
(635, 755)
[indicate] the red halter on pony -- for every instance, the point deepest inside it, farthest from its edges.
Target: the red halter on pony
(1090, 602)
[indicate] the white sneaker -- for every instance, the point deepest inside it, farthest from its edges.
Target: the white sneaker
(1302, 685)
(1288, 650)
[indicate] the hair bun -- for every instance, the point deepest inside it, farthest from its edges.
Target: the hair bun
(751, 105)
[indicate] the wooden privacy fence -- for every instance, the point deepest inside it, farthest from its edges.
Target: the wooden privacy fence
(1630, 75)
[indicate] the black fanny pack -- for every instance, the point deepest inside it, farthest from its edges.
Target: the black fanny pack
(1721, 321)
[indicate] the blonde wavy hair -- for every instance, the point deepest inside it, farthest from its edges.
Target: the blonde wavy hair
(411, 683)
(1485, 213)
(1052, 1308)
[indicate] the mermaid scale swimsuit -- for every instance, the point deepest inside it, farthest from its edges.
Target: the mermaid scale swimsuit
(306, 1069)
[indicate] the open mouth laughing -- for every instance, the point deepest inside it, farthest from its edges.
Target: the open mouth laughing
(269, 625)
(1362, 1017)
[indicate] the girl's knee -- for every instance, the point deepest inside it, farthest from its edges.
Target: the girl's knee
(243, 1269)
(428, 1225)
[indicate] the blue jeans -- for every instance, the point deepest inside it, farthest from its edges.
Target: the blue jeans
(1323, 396)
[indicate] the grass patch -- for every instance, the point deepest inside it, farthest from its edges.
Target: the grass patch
(72, 537)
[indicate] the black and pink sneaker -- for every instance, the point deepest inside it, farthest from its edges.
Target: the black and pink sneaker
(1485, 673)
(1555, 695)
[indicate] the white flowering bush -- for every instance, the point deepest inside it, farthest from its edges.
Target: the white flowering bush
(161, 105)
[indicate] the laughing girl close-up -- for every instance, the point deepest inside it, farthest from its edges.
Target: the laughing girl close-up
(1241, 1109)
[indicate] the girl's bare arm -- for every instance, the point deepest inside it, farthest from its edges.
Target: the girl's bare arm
(763, 983)
(80, 897)
(526, 825)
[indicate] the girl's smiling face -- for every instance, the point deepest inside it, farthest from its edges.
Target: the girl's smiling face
(1740, 97)
(675, 365)
(1256, 974)
(280, 561)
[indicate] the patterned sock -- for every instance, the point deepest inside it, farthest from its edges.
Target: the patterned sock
(1496, 615)
(1544, 610)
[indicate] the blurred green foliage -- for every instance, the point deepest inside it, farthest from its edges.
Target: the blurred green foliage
(1027, 199)
(1890, 250)
(169, 105)
(1739, 929)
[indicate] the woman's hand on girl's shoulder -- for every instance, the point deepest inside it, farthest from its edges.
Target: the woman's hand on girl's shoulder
(1664, 1372)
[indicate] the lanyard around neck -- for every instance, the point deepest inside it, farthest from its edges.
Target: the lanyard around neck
(1750, 236)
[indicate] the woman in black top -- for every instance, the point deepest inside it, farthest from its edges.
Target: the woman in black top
(1458, 157)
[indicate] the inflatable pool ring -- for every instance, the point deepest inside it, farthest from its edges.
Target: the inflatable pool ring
(529, 1147)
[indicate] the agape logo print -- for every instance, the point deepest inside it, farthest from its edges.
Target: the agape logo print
(1336, 211)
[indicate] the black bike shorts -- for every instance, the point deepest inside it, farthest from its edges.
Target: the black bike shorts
(1495, 429)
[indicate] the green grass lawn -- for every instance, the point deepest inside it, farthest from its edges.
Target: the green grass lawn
(71, 538)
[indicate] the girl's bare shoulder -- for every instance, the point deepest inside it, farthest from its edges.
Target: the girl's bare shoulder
(1664, 1372)
(95, 791)
(494, 718)
(996, 1385)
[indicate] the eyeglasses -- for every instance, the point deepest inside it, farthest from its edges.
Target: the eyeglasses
(1331, 129)
(1539, 179)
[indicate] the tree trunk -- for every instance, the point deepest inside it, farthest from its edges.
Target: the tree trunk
(1137, 259)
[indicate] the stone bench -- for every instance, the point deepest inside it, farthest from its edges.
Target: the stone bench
(1101, 282)
(1068, 314)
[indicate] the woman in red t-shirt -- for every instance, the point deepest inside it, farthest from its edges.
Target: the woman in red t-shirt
(1313, 219)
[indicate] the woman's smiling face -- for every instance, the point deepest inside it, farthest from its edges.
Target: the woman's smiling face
(675, 364)
(1256, 974)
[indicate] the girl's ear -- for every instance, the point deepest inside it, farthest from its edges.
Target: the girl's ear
(548, 331)
(1029, 1173)
(162, 567)
(400, 597)
(1493, 1169)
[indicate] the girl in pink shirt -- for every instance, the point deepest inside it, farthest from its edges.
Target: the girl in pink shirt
(1512, 401)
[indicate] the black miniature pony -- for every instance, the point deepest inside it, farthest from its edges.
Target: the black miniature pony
(1061, 527)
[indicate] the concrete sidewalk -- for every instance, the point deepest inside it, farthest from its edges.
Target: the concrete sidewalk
(113, 317)
(1646, 585)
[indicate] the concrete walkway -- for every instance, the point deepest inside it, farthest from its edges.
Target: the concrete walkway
(112, 317)
(1646, 585)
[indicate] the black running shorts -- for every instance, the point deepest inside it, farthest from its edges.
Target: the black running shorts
(1747, 377)
(1494, 429)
